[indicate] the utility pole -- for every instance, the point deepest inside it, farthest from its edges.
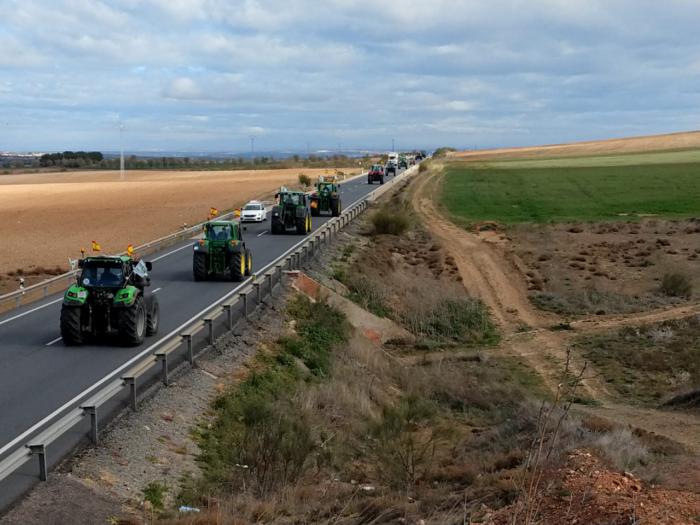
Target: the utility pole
(122, 175)
(252, 149)
(392, 145)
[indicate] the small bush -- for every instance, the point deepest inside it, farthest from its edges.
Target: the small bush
(676, 285)
(423, 167)
(390, 222)
(154, 493)
(304, 180)
(368, 293)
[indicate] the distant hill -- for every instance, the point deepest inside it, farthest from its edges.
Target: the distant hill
(672, 141)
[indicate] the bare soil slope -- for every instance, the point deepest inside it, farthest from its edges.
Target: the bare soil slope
(46, 218)
(673, 141)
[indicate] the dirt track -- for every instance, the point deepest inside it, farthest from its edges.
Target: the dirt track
(488, 272)
(46, 218)
(673, 141)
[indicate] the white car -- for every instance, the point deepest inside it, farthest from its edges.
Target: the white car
(254, 211)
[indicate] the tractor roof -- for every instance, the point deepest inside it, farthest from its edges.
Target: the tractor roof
(221, 223)
(111, 258)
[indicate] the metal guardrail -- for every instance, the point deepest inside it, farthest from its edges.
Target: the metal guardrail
(246, 296)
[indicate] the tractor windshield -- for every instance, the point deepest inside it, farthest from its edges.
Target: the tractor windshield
(218, 232)
(105, 274)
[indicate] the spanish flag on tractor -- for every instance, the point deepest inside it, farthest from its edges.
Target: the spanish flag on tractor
(130, 250)
(213, 212)
(96, 246)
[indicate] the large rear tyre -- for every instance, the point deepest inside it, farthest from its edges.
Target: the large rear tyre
(275, 228)
(369, 180)
(132, 323)
(302, 225)
(153, 320)
(381, 180)
(249, 262)
(71, 331)
(335, 207)
(199, 266)
(316, 211)
(238, 266)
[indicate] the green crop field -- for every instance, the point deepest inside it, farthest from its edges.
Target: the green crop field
(526, 193)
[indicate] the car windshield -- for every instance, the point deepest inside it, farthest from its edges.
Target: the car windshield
(254, 207)
(102, 274)
(218, 232)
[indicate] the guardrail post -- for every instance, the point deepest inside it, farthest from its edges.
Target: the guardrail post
(311, 245)
(46, 291)
(163, 358)
(190, 350)
(229, 316)
(258, 292)
(93, 423)
(40, 450)
(210, 326)
(244, 296)
(269, 281)
(279, 273)
(288, 262)
(131, 381)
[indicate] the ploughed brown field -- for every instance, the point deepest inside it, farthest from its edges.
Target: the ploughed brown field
(45, 218)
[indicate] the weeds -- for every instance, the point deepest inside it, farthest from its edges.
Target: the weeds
(676, 285)
(154, 493)
(390, 222)
(304, 180)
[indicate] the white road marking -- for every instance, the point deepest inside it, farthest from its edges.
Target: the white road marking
(156, 290)
(30, 311)
(171, 252)
(263, 233)
(54, 341)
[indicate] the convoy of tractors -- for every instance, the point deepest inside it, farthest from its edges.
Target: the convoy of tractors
(111, 299)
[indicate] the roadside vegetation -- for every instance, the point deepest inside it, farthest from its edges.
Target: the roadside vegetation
(648, 364)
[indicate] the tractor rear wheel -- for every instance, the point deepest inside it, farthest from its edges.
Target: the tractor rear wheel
(369, 180)
(249, 262)
(335, 207)
(153, 320)
(71, 330)
(316, 211)
(381, 179)
(275, 227)
(302, 225)
(132, 323)
(238, 265)
(199, 266)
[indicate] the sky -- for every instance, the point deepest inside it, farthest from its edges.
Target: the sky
(206, 75)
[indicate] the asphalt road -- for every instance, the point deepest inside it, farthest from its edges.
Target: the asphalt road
(39, 375)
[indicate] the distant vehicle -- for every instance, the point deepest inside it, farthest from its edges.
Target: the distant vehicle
(390, 168)
(403, 163)
(254, 211)
(376, 173)
(393, 158)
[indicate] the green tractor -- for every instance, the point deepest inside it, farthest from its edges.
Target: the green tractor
(326, 198)
(293, 210)
(110, 297)
(222, 252)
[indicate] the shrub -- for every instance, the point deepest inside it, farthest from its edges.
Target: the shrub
(423, 167)
(390, 222)
(304, 180)
(154, 493)
(676, 285)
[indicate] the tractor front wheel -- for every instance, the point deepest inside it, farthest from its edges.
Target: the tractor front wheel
(153, 318)
(199, 266)
(71, 330)
(132, 323)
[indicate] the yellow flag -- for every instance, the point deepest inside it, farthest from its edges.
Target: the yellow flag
(96, 247)
(130, 250)
(213, 212)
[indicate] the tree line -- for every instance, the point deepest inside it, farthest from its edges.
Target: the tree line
(71, 159)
